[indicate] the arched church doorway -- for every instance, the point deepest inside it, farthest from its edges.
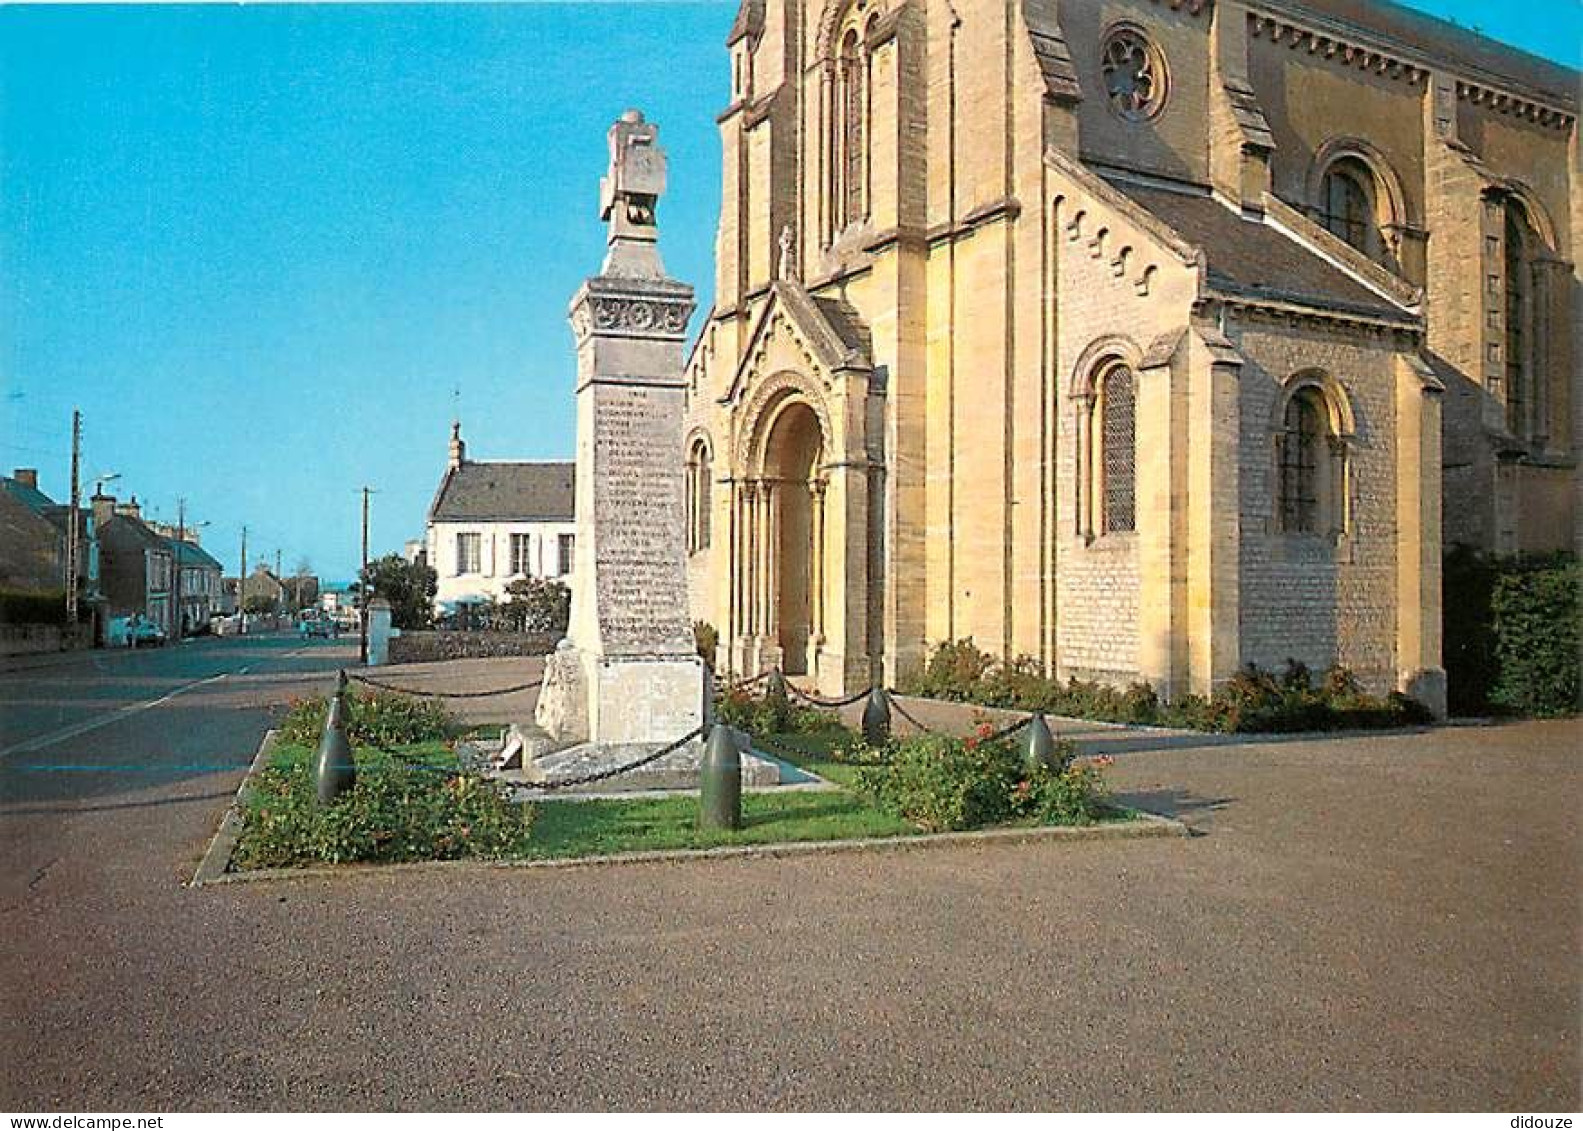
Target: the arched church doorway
(792, 458)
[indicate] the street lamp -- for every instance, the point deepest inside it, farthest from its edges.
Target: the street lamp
(101, 480)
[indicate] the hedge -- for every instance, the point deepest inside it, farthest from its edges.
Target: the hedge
(26, 607)
(1511, 633)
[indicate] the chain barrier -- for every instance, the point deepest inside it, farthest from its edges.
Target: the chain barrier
(835, 704)
(740, 685)
(586, 779)
(637, 764)
(895, 705)
(363, 679)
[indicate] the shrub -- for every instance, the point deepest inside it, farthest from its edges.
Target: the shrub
(767, 714)
(25, 607)
(537, 604)
(407, 807)
(379, 718)
(706, 639)
(953, 671)
(1252, 701)
(1511, 633)
(940, 783)
(1535, 611)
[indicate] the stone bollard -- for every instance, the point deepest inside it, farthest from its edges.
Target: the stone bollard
(720, 781)
(1039, 747)
(378, 632)
(333, 769)
(876, 718)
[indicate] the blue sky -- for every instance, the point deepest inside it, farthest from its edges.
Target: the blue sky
(260, 247)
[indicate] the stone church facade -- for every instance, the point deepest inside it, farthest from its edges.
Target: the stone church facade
(1148, 338)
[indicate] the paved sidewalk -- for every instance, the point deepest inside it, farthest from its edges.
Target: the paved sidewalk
(1378, 922)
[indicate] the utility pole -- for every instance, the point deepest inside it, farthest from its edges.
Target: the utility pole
(279, 582)
(362, 589)
(181, 536)
(74, 518)
(241, 590)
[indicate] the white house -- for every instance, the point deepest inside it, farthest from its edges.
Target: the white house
(495, 521)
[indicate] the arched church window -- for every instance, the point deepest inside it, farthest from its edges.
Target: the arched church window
(1520, 241)
(1117, 410)
(1347, 207)
(1311, 460)
(700, 482)
(853, 131)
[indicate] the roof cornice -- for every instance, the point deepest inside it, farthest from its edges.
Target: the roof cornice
(1349, 45)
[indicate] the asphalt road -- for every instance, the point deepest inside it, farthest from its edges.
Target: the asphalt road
(1380, 923)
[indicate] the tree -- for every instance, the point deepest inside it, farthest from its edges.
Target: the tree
(538, 604)
(259, 604)
(408, 586)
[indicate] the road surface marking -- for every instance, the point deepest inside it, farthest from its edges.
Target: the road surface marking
(105, 720)
(43, 740)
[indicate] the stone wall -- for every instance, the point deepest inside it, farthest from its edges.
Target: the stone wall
(427, 647)
(1310, 597)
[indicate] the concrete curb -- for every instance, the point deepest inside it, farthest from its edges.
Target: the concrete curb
(1145, 826)
(217, 858)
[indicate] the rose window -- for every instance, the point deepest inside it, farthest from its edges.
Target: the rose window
(1134, 75)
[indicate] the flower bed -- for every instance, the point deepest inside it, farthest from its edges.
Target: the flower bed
(1253, 701)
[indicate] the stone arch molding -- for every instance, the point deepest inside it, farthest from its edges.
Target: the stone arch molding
(1339, 413)
(773, 396)
(1538, 214)
(1092, 361)
(1387, 183)
(831, 17)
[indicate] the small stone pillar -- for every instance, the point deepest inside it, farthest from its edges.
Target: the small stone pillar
(378, 632)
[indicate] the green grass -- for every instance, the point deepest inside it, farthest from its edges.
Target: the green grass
(569, 829)
(594, 828)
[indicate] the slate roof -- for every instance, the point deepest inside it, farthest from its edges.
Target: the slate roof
(1445, 41)
(189, 555)
(1250, 258)
(31, 497)
(847, 324)
(506, 492)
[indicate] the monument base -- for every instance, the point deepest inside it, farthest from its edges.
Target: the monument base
(619, 700)
(678, 770)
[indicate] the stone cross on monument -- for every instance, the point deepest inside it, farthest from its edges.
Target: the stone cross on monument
(627, 675)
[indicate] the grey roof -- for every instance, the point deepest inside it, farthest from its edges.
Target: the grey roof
(190, 555)
(123, 531)
(1459, 46)
(506, 492)
(31, 497)
(1251, 258)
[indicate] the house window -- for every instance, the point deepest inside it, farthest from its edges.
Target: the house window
(520, 561)
(1118, 450)
(563, 545)
(1347, 205)
(469, 553)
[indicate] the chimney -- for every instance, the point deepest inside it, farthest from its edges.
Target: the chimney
(103, 508)
(27, 476)
(458, 445)
(130, 510)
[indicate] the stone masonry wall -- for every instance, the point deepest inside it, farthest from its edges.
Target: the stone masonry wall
(1307, 597)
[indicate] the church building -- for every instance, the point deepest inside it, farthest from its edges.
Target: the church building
(1147, 338)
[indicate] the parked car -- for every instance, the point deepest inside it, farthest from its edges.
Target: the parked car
(141, 633)
(319, 626)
